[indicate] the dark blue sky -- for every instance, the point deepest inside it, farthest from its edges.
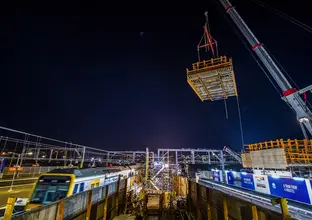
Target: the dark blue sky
(81, 72)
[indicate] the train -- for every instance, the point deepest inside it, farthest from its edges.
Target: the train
(60, 183)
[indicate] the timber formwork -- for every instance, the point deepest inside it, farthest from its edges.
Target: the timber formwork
(297, 152)
(213, 79)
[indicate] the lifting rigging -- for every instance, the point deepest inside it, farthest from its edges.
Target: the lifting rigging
(213, 79)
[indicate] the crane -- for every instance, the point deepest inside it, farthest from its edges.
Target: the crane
(291, 95)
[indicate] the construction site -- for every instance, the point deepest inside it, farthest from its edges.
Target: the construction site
(267, 180)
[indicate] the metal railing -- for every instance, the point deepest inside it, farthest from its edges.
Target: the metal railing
(296, 151)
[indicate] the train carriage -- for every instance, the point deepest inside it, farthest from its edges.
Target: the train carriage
(61, 183)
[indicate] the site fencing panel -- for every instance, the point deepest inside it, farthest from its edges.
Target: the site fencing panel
(47, 212)
(75, 204)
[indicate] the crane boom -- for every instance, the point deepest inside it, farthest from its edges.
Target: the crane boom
(290, 94)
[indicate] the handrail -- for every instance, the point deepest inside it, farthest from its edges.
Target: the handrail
(296, 151)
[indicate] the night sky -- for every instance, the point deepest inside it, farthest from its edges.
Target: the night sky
(81, 72)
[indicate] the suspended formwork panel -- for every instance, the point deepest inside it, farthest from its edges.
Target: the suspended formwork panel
(265, 159)
(213, 79)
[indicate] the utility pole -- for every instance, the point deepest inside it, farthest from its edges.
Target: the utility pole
(14, 174)
(146, 164)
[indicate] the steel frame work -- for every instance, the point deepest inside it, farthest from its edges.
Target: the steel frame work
(168, 162)
(192, 156)
(14, 150)
(213, 79)
(298, 152)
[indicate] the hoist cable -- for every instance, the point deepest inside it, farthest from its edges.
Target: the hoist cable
(240, 123)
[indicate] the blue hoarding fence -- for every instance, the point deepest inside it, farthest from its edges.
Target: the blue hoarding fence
(290, 188)
(247, 180)
(230, 178)
(296, 189)
(217, 175)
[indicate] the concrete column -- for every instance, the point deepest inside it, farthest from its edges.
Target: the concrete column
(262, 215)
(117, 198)
(254, 212)
(284, 208)
(9, 208)
(105, 203)
(60, 210)
(225, 208)
(193, 157)
(208, 198)
(89, 205)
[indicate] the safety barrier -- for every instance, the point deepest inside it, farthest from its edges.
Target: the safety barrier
(97, 203)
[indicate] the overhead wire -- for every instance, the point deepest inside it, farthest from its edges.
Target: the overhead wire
(284, 15)
(292, 20)
(285, 72)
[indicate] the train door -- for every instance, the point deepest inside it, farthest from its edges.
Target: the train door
(95, 183)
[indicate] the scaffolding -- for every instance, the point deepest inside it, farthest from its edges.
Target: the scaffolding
(213, 79)
(297, 152)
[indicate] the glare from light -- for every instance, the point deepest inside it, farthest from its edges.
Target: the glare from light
(166, 165)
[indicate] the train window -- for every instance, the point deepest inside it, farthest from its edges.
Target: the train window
(75, 189)
(81, 188)
(50, 189)
(95, 183)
